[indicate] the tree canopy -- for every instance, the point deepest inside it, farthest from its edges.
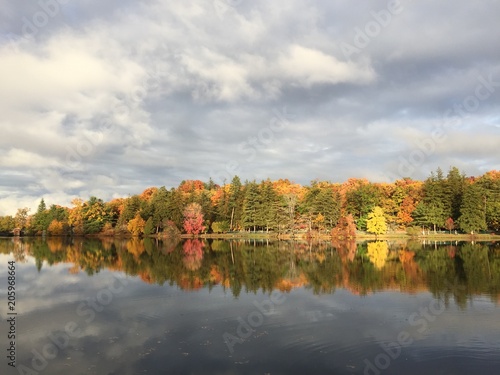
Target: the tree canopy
(441, 202)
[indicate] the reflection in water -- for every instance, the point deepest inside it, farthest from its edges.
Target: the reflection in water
(343, 305)
(377, 253)
(458, 270)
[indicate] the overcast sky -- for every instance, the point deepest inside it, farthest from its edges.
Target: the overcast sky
(108, 98)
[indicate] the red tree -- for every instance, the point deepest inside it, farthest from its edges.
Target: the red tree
(193, 219)
(450, 224)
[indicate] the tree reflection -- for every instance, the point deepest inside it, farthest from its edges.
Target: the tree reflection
(377, 253)
(193, 254)
(451, 272)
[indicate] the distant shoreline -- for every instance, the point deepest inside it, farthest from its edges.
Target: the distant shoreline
(301, 236)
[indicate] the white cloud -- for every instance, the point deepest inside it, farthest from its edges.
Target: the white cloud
(309, 66)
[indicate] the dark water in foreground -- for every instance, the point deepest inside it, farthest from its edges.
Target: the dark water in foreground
(140, 307)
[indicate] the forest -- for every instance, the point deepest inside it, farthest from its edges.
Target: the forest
(450, 202)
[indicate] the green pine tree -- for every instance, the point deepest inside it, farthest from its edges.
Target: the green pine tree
(473, 210)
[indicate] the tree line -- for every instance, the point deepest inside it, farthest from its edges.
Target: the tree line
(451, 202)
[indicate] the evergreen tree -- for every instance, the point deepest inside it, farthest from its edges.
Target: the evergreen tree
(328, 205)
(159, 207)
(40, 221)
(222, 208)
(149, 227)
(361, 201)
(429, 214)
(473, 210)
(251, 206)
(490, 183)
(131, 208)
(175, 207)
(235, 203)
(454, 186)
(268, 205)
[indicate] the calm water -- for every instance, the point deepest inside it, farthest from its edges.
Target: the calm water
(218, 307)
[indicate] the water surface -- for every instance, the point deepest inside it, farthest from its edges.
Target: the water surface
(89, 306)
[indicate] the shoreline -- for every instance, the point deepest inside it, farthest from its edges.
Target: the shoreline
(298, 237)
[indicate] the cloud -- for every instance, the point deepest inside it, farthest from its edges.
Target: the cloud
(309, 66)
(154, 93)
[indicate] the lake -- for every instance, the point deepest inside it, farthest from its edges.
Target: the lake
(115, 306)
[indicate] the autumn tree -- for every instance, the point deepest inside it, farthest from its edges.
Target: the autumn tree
(136, 225)
(193, 219)
(449, 224)
(21, 218)
(130, 209)
(376, 223)
(56, 228)
(7, 224)
(345, 228)
(75, 217)
(95, 215)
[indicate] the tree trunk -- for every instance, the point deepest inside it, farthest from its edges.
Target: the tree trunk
(232, 216)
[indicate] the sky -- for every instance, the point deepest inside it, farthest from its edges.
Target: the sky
(109, 98)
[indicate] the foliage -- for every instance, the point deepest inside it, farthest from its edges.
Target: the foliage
(193, 219)
(473, 210)
(376, 223)
(7, 223)
(170, 230)
(40, 220)
(220, 226)
(21, 218)
(449, 224)
(149, 227)
(345, 228)
(361, 198)
(136, 225)
(56, 228)
(281, 206)
(414, 231)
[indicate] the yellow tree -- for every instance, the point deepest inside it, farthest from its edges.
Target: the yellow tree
(75, 217)
(56, 228)
(21, 218)
(136, 225)
(376, 223)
